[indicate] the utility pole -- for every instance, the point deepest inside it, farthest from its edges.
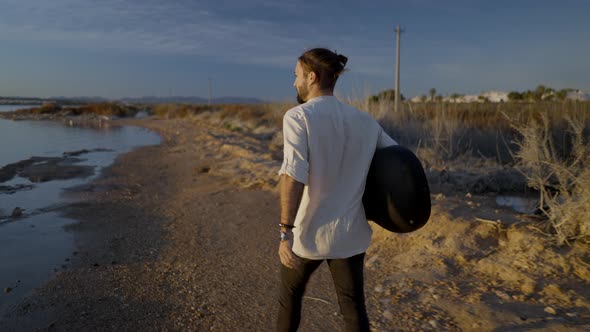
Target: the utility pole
(209, 91)
(398, 32)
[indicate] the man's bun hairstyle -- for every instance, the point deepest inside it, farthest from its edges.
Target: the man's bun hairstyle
(327, 66)
(343, 60)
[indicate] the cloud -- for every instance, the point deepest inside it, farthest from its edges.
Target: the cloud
(157, 27)
(207, 29)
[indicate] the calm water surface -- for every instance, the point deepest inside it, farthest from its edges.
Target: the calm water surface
(10, 108)
(33, 247)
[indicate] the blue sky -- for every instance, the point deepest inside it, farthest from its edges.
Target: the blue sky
(122, 48)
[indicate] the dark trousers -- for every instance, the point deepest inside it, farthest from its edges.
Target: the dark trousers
(347, 274)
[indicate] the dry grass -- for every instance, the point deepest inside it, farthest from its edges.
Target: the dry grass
(247, 118)
(476, 115)
(547, 141)
(440, 132)
(445, 132)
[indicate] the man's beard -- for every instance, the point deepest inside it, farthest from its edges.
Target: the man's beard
(302, 93)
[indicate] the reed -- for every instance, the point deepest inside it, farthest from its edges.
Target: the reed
(452, 130)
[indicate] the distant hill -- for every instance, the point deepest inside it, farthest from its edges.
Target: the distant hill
(80, 100)
(38, 101)
(191, 100)
(131, 100)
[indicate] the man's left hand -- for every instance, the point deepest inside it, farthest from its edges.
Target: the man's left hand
(288, 258)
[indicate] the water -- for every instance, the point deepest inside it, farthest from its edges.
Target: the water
(521, 204)
(30, 251)
(33, 246)
(21, 140)
(10, 108)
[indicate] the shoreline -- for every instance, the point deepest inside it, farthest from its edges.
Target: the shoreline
(181, 236)
(35, 242)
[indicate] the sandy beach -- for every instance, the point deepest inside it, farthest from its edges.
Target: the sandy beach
(182, 236)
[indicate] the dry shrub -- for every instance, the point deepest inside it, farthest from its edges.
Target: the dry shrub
(49, 108)
(563, 181)
(171, 111)
(275, 112)
(253, 118)
(255, 115)
(109, 109)
(45, 108)
(259, 114)
(242, 112)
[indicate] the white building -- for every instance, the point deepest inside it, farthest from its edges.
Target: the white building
(492, 96)
(500, 96)
(578, 95)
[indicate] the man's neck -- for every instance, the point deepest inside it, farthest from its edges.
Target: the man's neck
(319, 93)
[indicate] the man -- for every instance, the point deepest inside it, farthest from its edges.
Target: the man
(327, 153)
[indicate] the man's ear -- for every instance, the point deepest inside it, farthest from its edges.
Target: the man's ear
(312, 77)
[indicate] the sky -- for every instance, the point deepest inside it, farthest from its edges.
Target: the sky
(249, 48)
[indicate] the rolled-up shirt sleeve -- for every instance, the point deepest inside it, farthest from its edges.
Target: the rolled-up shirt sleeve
(295, 160)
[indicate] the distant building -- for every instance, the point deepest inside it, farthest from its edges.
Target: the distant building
(489, 96)
(578, 95)
(417, 99)
(496, 96)
(501, 96)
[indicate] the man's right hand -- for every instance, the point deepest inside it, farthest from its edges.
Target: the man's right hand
(288, 258)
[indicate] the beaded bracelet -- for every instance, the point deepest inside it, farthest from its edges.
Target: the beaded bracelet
(286, 225)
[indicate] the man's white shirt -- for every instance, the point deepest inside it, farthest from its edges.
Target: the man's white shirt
(328, 146)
